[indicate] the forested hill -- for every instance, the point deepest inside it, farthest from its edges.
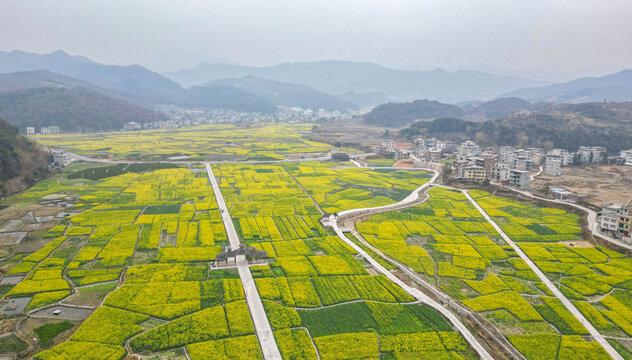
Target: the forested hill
(402, 114)
(22, 162)
(72, 109)
(561, 126)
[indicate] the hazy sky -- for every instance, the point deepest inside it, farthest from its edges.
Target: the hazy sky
(513, 34)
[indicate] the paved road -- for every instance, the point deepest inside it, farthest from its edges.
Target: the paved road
(332, 222)
(262, 326)
(107, 161)
(532, 177)
(569, 305)
(410, 199)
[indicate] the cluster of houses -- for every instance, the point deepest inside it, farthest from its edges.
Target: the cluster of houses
(503, 165)
(616, 220)
(44, 130)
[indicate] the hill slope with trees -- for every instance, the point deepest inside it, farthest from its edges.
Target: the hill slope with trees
(566, 126)
(22, 162)
(401, 114)
(72, 109)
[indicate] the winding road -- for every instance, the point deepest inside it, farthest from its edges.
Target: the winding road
(413, 198)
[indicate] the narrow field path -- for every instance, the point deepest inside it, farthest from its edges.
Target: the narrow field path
(268, 345)
(316, 204)
(549, 284)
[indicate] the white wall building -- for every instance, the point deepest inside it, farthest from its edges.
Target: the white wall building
(553, 165)
(519, 179)
(389, 145)
(565, 156)
(594, 154)
(522, 163)
(627, 156)
(500, 172)
(610, 217)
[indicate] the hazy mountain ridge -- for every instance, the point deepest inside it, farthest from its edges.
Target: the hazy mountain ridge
(22, 163)
(143, 87)
(497, 108)
(367, 99)
(228, 98)
(133, 80)
(615, 87)
(288, 94)
(336, 77)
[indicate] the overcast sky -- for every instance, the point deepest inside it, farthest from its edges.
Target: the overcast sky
(552, 35)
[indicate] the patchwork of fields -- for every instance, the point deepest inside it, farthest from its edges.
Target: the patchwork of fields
(337, 188)
(448, 242)
(139, 246)
(316, 291)
(204, 142)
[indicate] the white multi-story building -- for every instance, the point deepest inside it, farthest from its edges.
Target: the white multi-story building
(627, 156)
(594, 154)
(565, 156)
(599, 153)
(62, 158)
(447, 144)
(506, 154)
(389, 145)
(30, 130)
(614, 219)
(553, 165)
(132, 125)
(522, 163)
(519, 179)
(468, 148)
(500, 172)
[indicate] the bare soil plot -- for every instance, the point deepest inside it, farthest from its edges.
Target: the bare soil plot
(12, 238)
(67, 313)
(91, 295)
(603, 184)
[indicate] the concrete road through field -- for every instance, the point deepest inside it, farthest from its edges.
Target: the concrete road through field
(262, 325)
(549, 284)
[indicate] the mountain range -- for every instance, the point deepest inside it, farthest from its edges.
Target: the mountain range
(337, 77)
(613, 87)
(31, 84)
(286, 93)
(41, 98)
